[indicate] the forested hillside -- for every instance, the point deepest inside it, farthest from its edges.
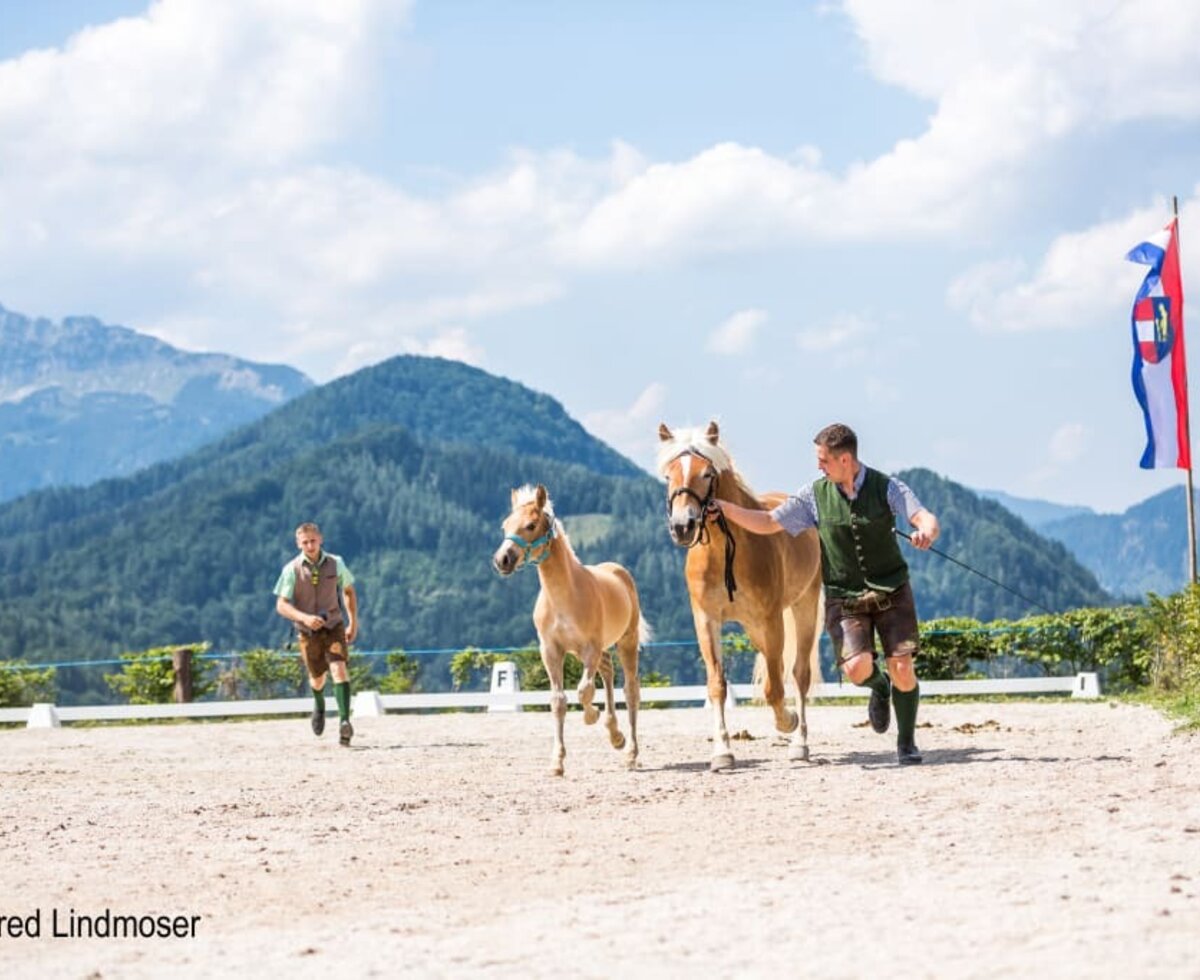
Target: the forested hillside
(417, 523)
(1142, 550)
(984, 535)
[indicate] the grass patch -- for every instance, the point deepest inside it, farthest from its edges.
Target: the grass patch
(1182, 706)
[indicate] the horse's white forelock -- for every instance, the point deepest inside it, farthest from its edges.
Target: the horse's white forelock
(692, 441)
(528, 495)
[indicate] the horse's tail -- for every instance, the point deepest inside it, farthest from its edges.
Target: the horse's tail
(645, 631)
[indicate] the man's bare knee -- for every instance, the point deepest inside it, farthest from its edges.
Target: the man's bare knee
(859, 666)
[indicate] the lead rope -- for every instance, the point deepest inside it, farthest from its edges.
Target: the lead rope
(730, 551)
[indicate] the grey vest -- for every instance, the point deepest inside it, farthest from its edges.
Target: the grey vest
(320, 598)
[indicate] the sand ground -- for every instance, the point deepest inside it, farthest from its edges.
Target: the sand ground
(1061, 838)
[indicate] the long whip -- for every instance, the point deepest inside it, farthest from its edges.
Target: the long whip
(1032, 602)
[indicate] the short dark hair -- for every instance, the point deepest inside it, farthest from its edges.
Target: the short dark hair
(838, 438)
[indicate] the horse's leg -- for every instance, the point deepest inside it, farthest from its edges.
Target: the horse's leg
(768, 638)
(804, 629)
(590, 656)
(627, 648)
(708, 635)
(610, 702)
(552, 660)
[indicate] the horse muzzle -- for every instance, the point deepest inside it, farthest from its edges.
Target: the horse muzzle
(504, 561)
(685, 530)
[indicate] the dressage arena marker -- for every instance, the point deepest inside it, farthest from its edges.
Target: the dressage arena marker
(43, 715)
(506, 680)
(367, 704)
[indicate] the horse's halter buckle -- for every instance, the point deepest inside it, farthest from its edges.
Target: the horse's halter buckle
(527, 548)
(701, 502)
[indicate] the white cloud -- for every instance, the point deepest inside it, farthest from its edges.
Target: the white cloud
(736, 334)
(178, 149)
(1068, 442)
(837, 333)
(632, 430)
(247, 82)
(1083, 278)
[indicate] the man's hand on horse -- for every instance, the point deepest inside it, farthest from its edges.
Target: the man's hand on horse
(712, 510)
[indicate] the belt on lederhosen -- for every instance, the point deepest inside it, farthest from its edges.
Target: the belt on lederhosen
(867, 602)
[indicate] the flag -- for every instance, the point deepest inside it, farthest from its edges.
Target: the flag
(1159, 364)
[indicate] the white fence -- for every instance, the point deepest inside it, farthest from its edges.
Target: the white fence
(368, 703)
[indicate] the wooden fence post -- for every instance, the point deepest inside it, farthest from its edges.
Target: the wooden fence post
(181, 661)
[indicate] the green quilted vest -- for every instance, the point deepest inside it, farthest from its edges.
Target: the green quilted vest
(858, 546)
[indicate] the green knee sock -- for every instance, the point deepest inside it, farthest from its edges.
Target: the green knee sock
(878, 681)
(319, 697)
(342, 693)
(905, 703)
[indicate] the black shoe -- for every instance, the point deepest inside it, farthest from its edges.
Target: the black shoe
(879, 710)
(907, 753)
(318, 718)
(345, 732)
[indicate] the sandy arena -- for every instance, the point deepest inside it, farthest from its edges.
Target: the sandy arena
(1061, 838)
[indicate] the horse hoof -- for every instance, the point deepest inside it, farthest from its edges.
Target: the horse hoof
(590, 715)
(798, 753)
(618, 740)
(720, 763)
(631, 762)
(556, 769)
(792, 723)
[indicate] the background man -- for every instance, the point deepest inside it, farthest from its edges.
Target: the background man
(308, 593)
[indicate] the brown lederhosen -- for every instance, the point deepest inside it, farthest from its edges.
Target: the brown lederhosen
(322, 646)
(853, 623)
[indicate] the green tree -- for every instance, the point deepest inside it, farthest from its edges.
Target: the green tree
(148, 677)
(21, 684)
(402, 673)
(1172, 655)
(949, 644)
(266, 674)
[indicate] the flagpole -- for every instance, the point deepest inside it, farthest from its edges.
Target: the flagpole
(1187, 432)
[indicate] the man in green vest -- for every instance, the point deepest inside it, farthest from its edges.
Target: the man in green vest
(308, 593)
(853, 508)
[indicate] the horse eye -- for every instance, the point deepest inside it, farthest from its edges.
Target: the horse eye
(531, 525)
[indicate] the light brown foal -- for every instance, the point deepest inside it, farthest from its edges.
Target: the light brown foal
(581, 609)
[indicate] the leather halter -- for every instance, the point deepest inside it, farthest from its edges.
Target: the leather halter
(703, 537)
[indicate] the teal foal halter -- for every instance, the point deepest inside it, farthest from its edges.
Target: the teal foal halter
(528, 547)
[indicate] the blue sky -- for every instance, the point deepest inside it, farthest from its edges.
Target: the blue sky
(907, 217)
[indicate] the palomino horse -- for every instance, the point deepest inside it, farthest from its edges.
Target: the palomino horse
(774, 591)
(582, 609)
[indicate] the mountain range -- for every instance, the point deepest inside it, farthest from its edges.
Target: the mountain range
(82, 401)
(1141, 550)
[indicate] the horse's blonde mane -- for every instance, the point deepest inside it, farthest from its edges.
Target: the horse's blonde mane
(695, 440)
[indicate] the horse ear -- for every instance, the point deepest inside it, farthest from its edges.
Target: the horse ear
(712, 433)
(541, 497)
(513, 499)
(664, 434)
